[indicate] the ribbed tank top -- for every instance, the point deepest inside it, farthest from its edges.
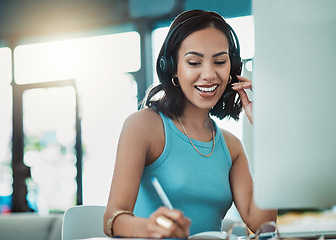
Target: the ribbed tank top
(198, 186)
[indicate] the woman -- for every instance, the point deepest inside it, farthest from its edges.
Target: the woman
(202, 168)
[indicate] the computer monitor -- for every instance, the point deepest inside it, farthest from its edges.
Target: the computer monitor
(294, 92)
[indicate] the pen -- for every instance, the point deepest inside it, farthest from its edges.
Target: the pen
(161, 193)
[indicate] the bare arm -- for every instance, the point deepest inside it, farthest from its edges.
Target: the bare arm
(140, 144)
(242, 187)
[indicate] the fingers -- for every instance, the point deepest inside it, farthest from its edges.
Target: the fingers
(240, 88)
(165, 223)
(247, 105)
(243, 83)
(179, 219)
(244, 98)
(243, 79)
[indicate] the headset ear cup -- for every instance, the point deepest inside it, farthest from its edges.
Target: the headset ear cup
(236, 65)
(163, 64)
(166, 64)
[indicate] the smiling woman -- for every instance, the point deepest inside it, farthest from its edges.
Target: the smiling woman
(175, 139)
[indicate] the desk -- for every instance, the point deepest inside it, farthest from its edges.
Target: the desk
(289, 223)
(307, 222)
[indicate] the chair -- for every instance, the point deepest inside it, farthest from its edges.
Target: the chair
(83, 222)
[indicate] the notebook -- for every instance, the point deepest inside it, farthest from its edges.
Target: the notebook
(210, 235)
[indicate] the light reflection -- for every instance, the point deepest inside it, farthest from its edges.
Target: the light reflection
(46, 109)
(106, 97)
(114, 53)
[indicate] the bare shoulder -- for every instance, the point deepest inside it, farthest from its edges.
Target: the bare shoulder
(144, 129)
(233, 143)
(144, 120)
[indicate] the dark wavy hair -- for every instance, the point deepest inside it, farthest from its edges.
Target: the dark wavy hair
(172, 100)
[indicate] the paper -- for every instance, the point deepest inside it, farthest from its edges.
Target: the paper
(211, 235)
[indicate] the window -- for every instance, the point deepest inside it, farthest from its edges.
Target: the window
(107, 94)
(49, 130)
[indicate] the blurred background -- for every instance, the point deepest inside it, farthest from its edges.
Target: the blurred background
(71, 71)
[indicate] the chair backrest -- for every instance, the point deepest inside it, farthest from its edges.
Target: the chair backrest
(83, 222)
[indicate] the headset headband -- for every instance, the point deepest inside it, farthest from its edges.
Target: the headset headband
(166, 61)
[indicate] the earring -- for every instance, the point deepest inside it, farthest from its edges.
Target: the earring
(230, 79)
(173, 81)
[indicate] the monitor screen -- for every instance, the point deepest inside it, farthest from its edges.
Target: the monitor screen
(294, 87)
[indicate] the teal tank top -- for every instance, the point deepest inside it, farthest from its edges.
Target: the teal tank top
(198, 186)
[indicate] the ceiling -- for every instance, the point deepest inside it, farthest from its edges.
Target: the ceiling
(38, 18)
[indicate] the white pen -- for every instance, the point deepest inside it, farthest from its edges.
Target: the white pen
(161, 193)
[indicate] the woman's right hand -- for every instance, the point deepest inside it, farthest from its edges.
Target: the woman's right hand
(175, 224)
(240, 87)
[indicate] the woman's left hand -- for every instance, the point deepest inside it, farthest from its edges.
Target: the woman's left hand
(240, 88)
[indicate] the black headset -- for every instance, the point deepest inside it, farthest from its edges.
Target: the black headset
(167, 64)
